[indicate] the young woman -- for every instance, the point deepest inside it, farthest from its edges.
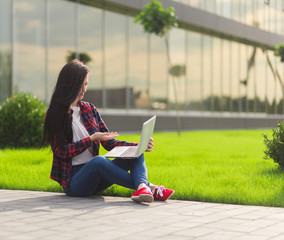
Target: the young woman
(74, 129)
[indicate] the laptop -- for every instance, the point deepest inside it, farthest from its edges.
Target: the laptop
(135, 151)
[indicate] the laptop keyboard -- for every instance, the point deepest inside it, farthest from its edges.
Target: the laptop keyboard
(130, 151)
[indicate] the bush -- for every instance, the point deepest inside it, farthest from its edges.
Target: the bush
(275, 146)
(21, 121)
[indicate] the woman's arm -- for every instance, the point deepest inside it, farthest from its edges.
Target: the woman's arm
(72, 149)
(109, 144)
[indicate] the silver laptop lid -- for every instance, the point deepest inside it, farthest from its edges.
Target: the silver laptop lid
(146, 134)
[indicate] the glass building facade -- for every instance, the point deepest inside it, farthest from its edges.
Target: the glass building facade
(129, 69)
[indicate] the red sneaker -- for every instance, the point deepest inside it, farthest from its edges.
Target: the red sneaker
(161, 193)
(143, 195)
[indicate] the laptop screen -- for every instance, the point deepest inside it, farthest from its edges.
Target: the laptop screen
(146, 134)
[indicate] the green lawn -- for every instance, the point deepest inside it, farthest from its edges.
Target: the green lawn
(213, 166)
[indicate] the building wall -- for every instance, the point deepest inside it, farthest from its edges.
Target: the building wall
(231, 72)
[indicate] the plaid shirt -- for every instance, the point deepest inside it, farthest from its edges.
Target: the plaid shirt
(62, 156)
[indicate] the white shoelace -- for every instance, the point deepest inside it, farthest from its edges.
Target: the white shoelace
(160, 190)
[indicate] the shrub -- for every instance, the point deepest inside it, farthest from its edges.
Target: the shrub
(275, 146)
(21, 121)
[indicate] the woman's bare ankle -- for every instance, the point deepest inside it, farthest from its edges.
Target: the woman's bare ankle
(141, 185)
(152, 186)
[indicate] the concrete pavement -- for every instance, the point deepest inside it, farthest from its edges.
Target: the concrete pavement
(43, 215)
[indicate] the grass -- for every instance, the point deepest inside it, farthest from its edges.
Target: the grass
(212, 166)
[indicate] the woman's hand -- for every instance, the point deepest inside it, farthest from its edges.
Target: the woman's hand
(150, 145)
(103, 136)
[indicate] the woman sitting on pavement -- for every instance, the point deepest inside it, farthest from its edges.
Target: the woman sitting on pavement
(74, 129)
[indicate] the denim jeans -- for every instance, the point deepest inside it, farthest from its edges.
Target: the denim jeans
(100, 173)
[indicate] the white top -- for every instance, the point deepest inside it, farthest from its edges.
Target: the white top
(80, 132)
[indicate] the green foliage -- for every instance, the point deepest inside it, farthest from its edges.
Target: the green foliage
(83, 57)
(21, 121)
(155, 19)
(279, 51)
(275, 145)
(177, 70)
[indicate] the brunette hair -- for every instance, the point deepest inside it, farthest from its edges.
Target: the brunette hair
(57, 126)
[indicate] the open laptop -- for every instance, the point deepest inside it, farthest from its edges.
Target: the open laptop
(135, 151)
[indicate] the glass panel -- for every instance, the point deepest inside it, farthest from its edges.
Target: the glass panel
(226, 76)
(195, 3)
(61, 37)
(244, 75)
(227, 8)
(217, 74)
(5, 50)
(193, 63)
(159, 76)
(177, 54)
(278, 67)
(236, 10)
(90, 43)
(243, 12)
(29, 61)
(262, 15)
(271, 83)
(251, 78)
(235, 77)
(260, 60)
(249, 13)
(138, 53)
(207, 73)
(115, 60)
(209, 5)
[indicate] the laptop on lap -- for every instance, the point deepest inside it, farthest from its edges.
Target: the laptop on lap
(135, 151)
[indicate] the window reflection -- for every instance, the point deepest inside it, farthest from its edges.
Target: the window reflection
(29, 61)
(159, 74)
(129, 68)
(115, 60)
(177, 75)
(206, 73)
(193, 63)
(90, 42)
(234, 77)
(137, 65)
(217, 74)
(61, 37)
(5, 50)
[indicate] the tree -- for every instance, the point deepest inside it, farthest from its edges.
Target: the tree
(159, 21)
(83, 57)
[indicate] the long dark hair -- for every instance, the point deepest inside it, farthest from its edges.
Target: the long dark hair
(57, 126)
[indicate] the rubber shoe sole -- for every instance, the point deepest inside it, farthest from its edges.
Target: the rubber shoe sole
(143, 198)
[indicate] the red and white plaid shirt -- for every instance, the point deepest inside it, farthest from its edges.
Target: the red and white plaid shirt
(62, 156)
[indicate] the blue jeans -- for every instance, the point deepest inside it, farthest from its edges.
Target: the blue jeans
(100, 173)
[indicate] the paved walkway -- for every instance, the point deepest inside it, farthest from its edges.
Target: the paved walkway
(41, 215)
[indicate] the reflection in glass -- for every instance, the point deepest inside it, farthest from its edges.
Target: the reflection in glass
(177, 75)
(138, 52)
(193, 76)
(217, 74)
(226, 76)
(29, 61)
(234, 77)
(5, 50)
(251, 78)
(159, 74)
(271, 84)
(244, 75)
(207, 73)
(115, 60)
(90, 42)
(61, 37)
(260, 60)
